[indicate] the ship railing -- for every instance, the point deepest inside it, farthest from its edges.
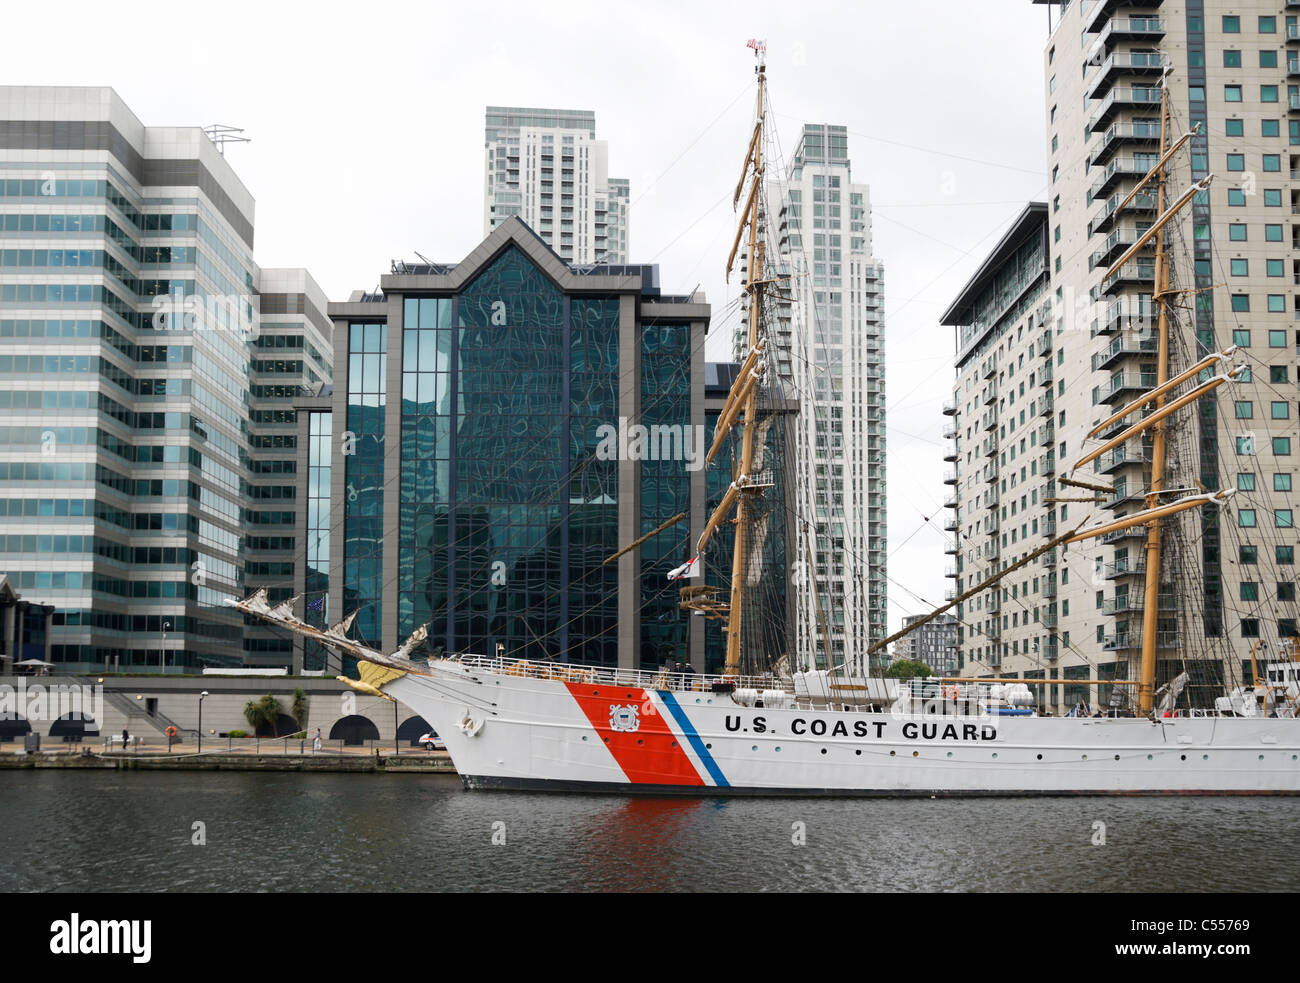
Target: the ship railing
(606, 676)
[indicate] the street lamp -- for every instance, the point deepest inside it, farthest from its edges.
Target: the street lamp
(165, 626)
(201, 696)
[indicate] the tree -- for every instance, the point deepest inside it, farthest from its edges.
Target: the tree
(263, 714)
(907, 669)
(298, 709)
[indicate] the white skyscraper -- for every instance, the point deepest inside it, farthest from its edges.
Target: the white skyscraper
(831, 353)
(547, 167)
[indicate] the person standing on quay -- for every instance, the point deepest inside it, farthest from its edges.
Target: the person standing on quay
(315, 741)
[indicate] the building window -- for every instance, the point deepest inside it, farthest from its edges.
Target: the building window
(1268, 93)
(1232, 93)
(1237, 232)
(1284, 520)
(1249, 591)
(1236, 162)
(1240, 267)
(1241, 302)
(1235, 128)
(1273, 267)
(1241, 337)
(1236, 197)
(1245, 409)
(1231, 24)
(1268, 59)
(1276, 303)
(1250, 628)
(1268, 25)
(1246, 481)
(1273, 197)
(1278, 373)
(1249, 554)
(1282, 482)
(1246, 518)
(1272, 233)
(1231, 58)
(1268, 128)
(1276, 338)
(1281, 446)
(1272, 162)
(1285, 555)
(1279, 409)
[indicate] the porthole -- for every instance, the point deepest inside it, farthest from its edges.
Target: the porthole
(1182, 757)
(916, 754)
(1040, 757)
(858, 752)
(607, 740)
(584, 737)
(754, 748)
(778, 749)
(1117, 757)
(950, 754)
(639, 742)
(823, 750)
(1261, 757)
(892, 753)
(595, 692)
(1085, 757)
(674, 743)
(1205, 757)
(995, 754)
(708, 747)
(1150, 757)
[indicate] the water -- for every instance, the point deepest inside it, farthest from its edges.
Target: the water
(90, 831)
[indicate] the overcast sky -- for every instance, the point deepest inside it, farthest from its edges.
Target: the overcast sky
(367, 142)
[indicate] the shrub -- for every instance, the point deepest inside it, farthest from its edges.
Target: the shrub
(237, 733)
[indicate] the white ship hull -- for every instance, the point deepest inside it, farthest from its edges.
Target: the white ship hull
(508, 730)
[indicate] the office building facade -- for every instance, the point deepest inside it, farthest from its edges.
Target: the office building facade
(138, 404)
(546, 167)
(1227, 580)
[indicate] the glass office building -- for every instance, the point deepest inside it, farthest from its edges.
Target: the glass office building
(485, 471)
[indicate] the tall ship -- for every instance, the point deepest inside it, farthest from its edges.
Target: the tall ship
(780, 723)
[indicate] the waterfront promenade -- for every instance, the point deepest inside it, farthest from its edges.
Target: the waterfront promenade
(233, 754)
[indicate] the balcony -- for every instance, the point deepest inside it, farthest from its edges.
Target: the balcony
(950, 431)
(1047, 434)
(1099, 17)
(1049, 559)
(1121, 456)
(1046, 404)
(1116, 171)
(1125, 567)
(1293, 101)
(950, 477)
(1045, 342)
(1048, 620)
(1124, 97)
(1122, 347)
(1049, 587)
(951, 454)
(1144, 202)
(1131, 29)
(1048, 528)
(1130, 314)
(990, 448)
(950, 594)
(950, 573)
(1292, 63)
(1113, 246)
(951, 524)
(1136, 272)
(989, 420)
(1121, 535)
(991, 475)
(989, 369)
(1292, 32)
(1131, 601)
(950, 547)
(1125, 491)
(1133, 640)
(1123, 384)
(1121, 65)
(994, 602)
(950, 407)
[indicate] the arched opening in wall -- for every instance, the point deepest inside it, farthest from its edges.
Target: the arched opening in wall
(412, 729)
(13, 726)
(355, 730)
(74, 727)
(284, 726)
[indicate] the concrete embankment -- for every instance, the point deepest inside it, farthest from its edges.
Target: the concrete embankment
(227, 761)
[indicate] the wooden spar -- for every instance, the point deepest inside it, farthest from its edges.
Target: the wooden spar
(1178, 380)
(719, 514)
(746, 219)
(735, 612)
(1155, 418)
(749, 157)
(1076, 483)
(1157, 226)
(650, 535)
(726, 421)
(1074, 536)
(733, 395)
(1155, 531)
(1161, 162)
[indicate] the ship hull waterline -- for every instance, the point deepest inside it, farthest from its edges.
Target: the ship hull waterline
(507, 731)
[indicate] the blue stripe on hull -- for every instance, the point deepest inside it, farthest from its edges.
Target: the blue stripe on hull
(688, 730)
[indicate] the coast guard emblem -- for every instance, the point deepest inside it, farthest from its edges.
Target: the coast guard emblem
(623, 718)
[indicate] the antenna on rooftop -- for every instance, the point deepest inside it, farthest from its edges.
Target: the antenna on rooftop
(221, 134)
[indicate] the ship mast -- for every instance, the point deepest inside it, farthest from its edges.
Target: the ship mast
(1155, 531)
(754, 285)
